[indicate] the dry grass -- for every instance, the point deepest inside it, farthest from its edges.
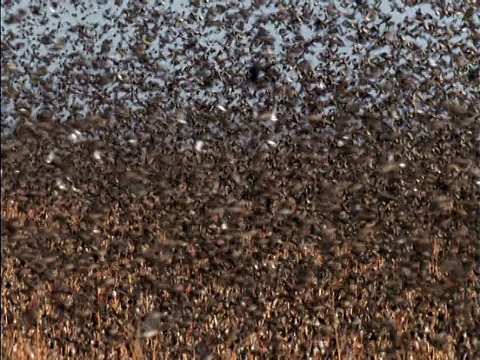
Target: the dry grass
(105, 274)
(25, 326)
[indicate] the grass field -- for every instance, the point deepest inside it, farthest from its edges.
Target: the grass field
(241, 255)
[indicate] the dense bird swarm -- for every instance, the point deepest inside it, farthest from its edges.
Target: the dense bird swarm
(195, 186)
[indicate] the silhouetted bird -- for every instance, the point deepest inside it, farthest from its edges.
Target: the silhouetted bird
(474, 72)
(253, 72)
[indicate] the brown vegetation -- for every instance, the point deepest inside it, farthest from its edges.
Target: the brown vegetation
(308, 250)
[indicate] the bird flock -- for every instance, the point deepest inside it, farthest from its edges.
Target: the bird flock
(240, 180)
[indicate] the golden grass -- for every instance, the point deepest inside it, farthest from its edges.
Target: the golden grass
(28, 338)
(381, 262)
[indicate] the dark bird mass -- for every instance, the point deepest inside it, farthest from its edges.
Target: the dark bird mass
(240, 179)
